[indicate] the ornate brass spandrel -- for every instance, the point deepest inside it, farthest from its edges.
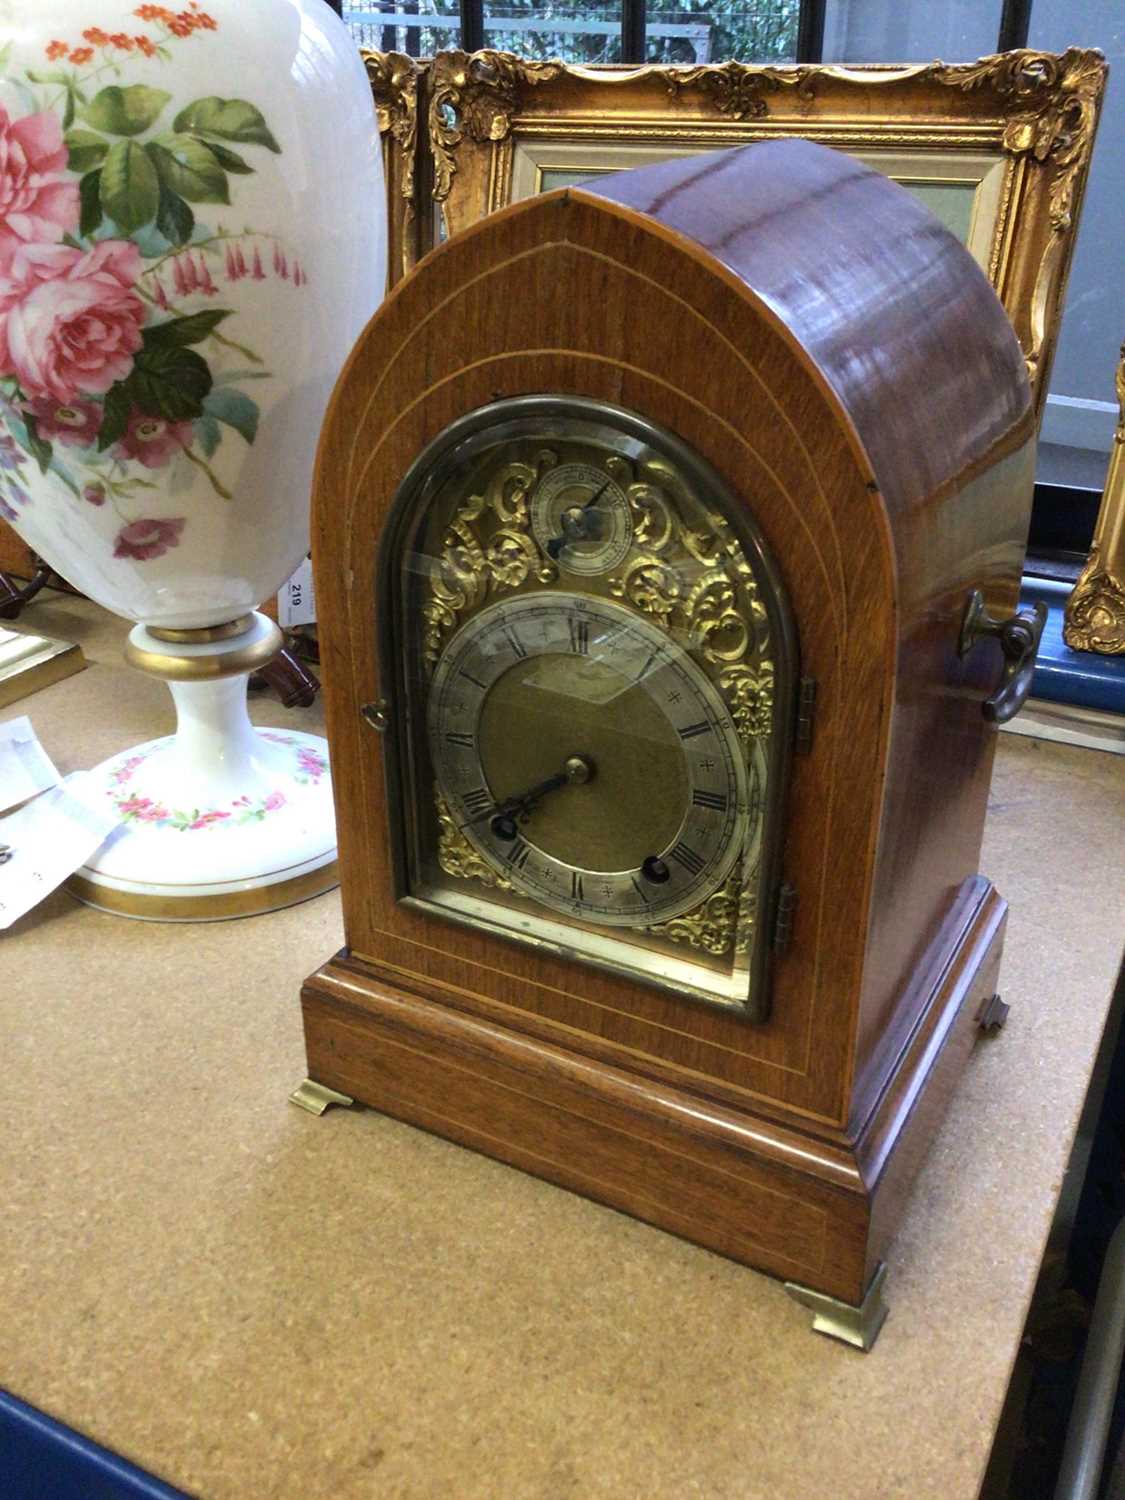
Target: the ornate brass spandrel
(486, 547)
(1095, 612)
(711, 926)
(456, 855)
(724, 923)
(695, 582)
(699, 584)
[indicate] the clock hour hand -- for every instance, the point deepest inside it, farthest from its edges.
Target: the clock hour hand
(578, 525)
(576, 770)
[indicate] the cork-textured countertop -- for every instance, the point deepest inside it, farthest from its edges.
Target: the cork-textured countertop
(251, 1302)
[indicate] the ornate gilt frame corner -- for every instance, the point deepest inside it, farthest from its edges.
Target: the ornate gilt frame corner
(1035, 112)
(1095, 612)
(397, 83)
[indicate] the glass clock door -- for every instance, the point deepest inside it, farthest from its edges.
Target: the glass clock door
(592, 704)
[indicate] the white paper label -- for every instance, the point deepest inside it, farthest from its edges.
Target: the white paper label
(48, 840)
(25, 767)
(296, 603)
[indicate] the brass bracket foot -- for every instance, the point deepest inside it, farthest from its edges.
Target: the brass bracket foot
(993, 1016)
(316, 1098)
(858, 1326)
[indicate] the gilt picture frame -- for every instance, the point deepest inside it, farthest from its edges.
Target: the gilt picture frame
(1000, 148)
(1095, 611)
(397, 86)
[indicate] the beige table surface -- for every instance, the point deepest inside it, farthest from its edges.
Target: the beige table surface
(252, 1303)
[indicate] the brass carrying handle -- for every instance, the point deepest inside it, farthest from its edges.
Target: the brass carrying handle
(1019, 636)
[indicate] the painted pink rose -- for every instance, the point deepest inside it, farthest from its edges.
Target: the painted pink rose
(311, 763)
(76, 426)
(38, 199)
(70, 320)
(146, 539)
(143, 809)
(152, 441)
(274, 801)
(205, 820)
(125, 771)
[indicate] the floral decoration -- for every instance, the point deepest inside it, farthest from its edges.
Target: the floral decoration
(116, 355)
(311, 766)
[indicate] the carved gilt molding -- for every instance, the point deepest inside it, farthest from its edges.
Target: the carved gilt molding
(1095, 611)
(1060, 95)
(395, 83)
(476, 95)
(739, 90)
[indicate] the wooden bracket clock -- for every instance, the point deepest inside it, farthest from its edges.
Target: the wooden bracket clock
(668, 536)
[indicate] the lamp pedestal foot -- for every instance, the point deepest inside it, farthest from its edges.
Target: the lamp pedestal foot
(221, 819)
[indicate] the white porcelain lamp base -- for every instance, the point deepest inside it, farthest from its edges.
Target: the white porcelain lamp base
(221, 819)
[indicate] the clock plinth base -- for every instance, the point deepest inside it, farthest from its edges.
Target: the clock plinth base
(816, 1208)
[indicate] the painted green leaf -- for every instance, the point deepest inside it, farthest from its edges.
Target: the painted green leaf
(126, 111)
(229, 120)
(86, 149)
(68, 112)
(174, 218)
(179, 332)
(90, 201)
(40, 448)
(115, 419)
(188, 168)
(229, 160)
(236, 409)
(130, 188)
(169, 381)
(208, 434)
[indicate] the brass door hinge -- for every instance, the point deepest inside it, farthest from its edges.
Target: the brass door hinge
(806, 715)
(784, 911)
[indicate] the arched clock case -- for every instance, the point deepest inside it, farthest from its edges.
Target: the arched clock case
(667, 539)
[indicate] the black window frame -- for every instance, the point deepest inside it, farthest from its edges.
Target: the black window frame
(1015, 22)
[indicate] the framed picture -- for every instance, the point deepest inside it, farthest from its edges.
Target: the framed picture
(998, 149)
(1095, 611)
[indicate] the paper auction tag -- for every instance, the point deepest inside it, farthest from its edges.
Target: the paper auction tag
(296, 602)
(25, 767)
(48, 840)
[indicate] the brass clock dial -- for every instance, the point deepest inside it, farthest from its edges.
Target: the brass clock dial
(652, 814)
(594, 680)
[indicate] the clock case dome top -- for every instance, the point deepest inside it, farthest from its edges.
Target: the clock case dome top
(834, 354)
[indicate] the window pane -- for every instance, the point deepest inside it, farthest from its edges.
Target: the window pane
(893, 31)
(573, 31)
(417, 27)
(1094, 321)
(700, 31)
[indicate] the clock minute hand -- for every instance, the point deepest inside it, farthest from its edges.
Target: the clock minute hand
(576, 770)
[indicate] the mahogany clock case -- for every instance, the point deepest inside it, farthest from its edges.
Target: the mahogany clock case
(820, 342)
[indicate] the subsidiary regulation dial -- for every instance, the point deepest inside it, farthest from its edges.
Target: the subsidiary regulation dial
(580, 518)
